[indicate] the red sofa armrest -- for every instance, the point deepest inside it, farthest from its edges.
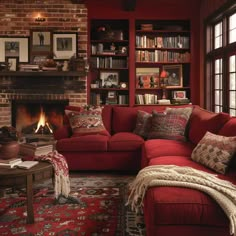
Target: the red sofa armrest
(62, 132)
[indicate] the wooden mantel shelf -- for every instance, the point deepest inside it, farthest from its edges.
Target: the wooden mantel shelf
(43, 73)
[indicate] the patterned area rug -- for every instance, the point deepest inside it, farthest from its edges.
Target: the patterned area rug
(99, 209)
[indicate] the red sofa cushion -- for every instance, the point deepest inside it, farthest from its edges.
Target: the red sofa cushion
(202, 121)
(124, 118)
(125, 141)
(87, 143)
(162, 147)
(229, 129)
(181, 206)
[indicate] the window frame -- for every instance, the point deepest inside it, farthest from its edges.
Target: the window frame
(212, 54)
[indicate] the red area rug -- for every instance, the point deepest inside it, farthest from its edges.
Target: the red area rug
(100, 210)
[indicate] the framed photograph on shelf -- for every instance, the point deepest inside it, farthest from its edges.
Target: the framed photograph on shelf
(174, 76)
(14, 47)
(64, 45)
(12, 63)
(109, 79)
(179, 94)
(41, 43)
(147, 78)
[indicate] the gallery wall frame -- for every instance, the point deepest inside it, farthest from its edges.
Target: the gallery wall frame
(40, 43)
(14, 47)
(64, 45)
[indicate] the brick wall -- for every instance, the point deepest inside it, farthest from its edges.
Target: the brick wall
(17, 18)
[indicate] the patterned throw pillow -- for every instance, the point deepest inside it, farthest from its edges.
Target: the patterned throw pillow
(215, 151)
(185, 112)
(143, 123)
(168, 126)
(86, 121)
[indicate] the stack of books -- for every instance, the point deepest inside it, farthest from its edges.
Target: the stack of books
(10, 163)
(36, 148)
(29, 67)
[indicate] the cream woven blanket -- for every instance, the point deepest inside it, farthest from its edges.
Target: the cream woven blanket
(222, 191)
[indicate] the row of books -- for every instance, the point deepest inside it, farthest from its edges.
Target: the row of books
(108, 62)
(161, 56)
(148, 99)
(179, 41)
(28, 67)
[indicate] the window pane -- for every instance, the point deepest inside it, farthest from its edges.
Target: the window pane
(232, 112)
(232, 64)
(218, 35)
(218, 29)
(217, 109)
(232, 81)
(232, 28)
(218, 66)
(217, 82)
(217, 97)
(232, 98)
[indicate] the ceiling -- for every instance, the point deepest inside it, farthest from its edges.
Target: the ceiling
(128, 5)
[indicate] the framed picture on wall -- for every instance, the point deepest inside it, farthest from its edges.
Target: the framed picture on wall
(174, 76)
(64, 45)
(14, 47)
(41, 43)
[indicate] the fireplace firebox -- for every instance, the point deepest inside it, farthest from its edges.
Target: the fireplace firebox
(38, 117)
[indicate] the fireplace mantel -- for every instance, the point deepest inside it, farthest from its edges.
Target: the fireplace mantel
(43, 73)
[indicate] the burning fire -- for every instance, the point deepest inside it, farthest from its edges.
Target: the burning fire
(42, 123)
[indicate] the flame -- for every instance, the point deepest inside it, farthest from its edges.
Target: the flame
(42, 122)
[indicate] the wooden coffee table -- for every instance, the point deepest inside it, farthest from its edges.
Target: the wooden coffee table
(18, 178)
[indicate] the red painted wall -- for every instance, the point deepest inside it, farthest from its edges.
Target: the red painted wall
(155, 9)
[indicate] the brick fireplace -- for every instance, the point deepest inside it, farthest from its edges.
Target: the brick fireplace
(56, 90)
(18, 19)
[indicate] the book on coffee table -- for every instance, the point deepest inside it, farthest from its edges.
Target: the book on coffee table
(36, 148)
(10, 165)
(27, 164)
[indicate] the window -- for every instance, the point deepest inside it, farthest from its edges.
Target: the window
(220, 58)
(232, 28)
(218, 85)
(232, 85)
(218, 35)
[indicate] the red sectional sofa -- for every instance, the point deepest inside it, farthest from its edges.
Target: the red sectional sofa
(168, 211)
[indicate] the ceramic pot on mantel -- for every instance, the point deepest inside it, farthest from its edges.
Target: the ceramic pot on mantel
(9, 149)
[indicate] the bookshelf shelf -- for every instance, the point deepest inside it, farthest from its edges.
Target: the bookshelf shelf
(109, 52)
(161, 44)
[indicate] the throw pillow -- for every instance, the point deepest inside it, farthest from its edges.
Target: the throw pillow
(168, 126)
(215, 151)
(185, 112)
(87, 121)
(143, 123)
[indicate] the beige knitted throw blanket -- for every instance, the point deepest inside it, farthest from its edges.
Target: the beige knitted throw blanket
(222, 191)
